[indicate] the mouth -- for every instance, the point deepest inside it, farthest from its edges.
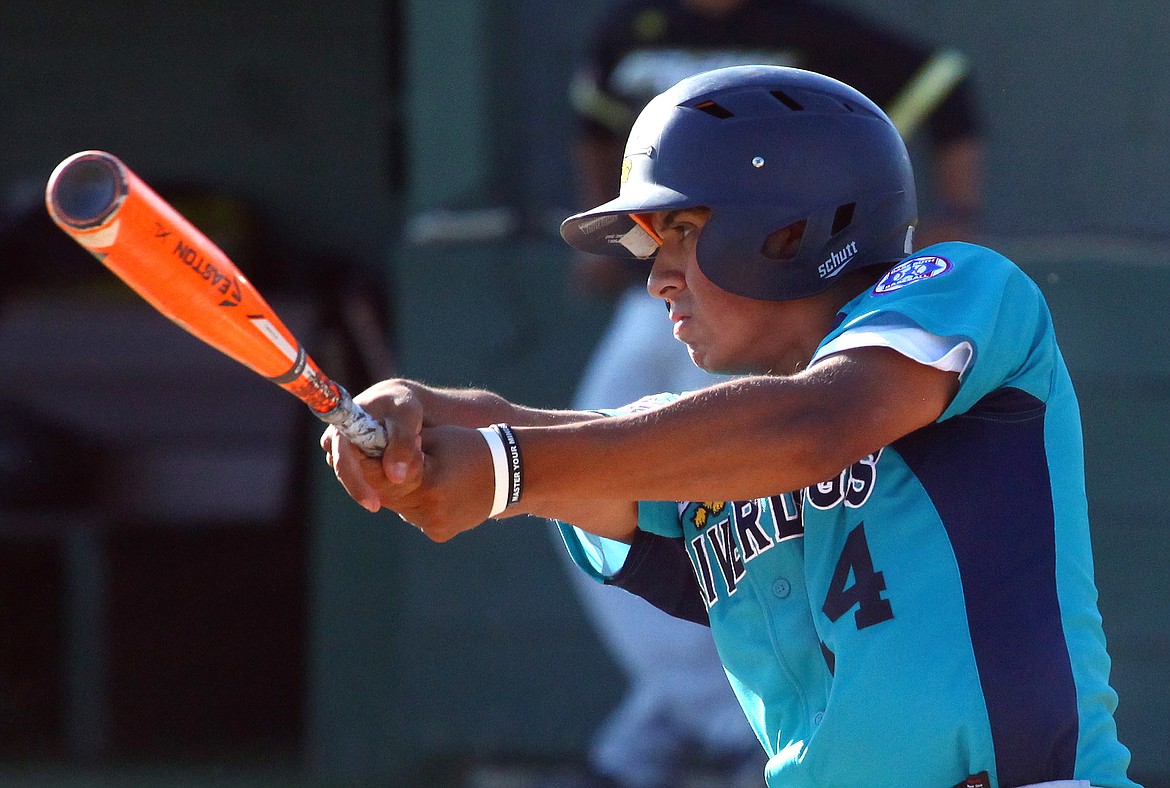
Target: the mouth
(677, 317)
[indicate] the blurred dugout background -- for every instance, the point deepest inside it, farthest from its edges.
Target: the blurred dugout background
(185, 596)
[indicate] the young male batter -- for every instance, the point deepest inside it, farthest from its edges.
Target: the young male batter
(884, 523)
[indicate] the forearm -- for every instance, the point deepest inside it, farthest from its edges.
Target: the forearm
(421, 422)
(798, 431)
(955, 211)
(597, 158)
(589, 470)
(686, 451)
(470, 407)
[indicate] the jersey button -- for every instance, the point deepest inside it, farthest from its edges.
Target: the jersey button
(781, 588)
(818, 718)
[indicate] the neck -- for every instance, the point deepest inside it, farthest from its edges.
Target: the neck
(822, 310)
(853, 284)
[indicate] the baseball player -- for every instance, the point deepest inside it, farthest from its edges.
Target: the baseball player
(640, 48)
(883, 523)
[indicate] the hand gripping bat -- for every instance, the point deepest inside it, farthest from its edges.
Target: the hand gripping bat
(106, 208)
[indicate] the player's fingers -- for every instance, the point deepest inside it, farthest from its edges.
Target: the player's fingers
(327, 438)
(402, 460)
(353, 470)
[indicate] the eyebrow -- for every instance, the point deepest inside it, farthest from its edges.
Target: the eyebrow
(671, 216)
(665, 224)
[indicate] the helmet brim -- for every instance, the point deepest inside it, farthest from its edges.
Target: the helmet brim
(601, 230)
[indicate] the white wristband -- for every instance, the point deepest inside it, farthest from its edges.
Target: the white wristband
(499, 468)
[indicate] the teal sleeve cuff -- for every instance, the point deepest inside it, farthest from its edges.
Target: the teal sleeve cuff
(602, 558)
(598, 557)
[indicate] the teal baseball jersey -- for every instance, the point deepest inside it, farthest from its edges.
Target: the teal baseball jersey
(927, 617)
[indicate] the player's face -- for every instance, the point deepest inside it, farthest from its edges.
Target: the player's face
(724, 332)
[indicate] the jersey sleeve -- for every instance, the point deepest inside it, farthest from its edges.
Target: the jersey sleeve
(967, 294)
(596, 556)
(949, 354)
(653, 566)
(602, 558)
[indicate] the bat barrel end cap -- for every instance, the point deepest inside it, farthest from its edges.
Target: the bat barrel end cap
(86, 189)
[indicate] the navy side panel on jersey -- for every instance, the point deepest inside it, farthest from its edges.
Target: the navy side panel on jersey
(1012, 607)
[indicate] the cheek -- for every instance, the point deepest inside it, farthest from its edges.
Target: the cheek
(706, 292)
(724, 306)
(740, 325)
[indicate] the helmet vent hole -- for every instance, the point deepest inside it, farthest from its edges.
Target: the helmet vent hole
(784, 244)
(715, 109)
(787, 100)
(843, 217)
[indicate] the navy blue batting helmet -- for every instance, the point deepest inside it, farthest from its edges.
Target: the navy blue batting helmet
(805, 177)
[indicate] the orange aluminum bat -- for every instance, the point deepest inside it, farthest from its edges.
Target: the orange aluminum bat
(110, 211)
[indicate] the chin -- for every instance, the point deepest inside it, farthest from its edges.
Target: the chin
(707, 364)
(697, 358)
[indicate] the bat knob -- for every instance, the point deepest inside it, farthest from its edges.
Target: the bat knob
(86, 189)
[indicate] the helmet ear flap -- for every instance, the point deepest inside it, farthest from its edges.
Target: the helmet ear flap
(732, 254)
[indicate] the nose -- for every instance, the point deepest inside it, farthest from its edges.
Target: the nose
(666, 276)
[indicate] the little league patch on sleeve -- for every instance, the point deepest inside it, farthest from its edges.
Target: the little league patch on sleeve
(913, 270)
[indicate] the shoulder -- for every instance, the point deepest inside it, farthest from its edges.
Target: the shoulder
(950, 289)
(977, 300)
(637, 19)
(854, 26)
(945, 265)
(612, 30)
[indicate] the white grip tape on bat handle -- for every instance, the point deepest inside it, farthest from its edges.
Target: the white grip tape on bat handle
(499, 469)
(365, 433)
(356, 425)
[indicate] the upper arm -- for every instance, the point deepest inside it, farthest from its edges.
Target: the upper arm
(745, 438)
(868, 397)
